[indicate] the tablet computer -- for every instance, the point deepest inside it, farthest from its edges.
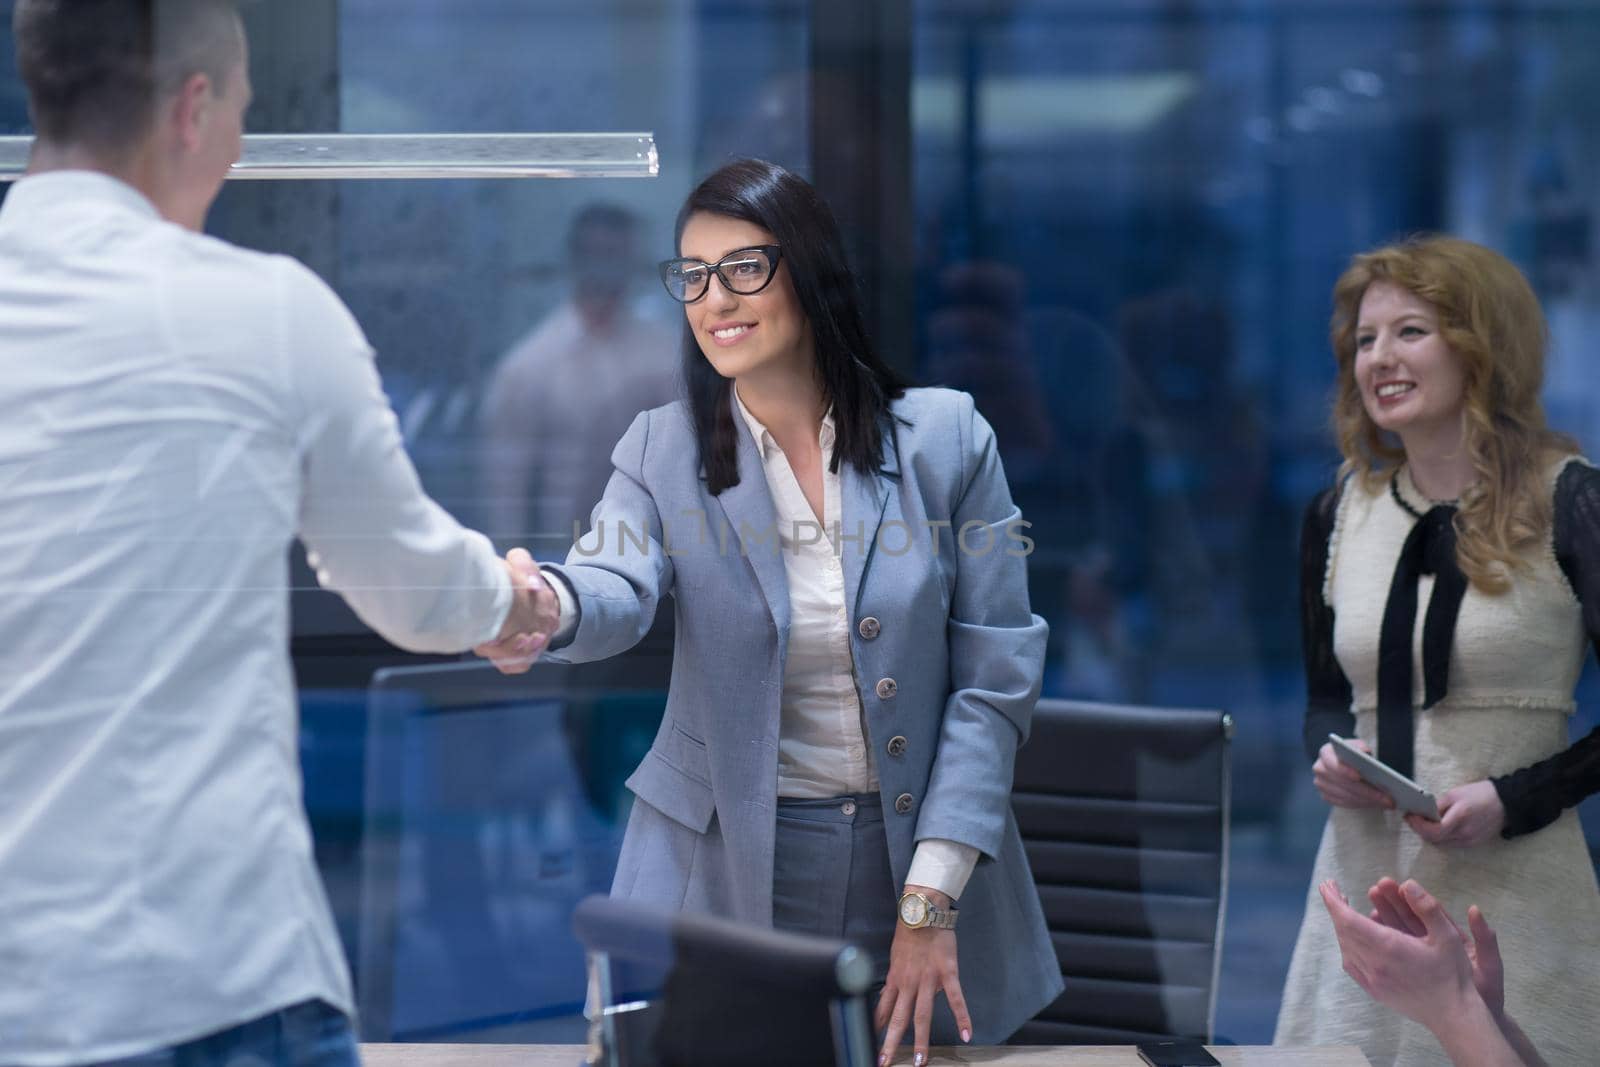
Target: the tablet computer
(1408, 795)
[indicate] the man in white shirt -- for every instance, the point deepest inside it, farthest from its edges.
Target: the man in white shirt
(567, 391)
(177, 411)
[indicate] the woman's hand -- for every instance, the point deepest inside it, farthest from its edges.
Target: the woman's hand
(922, 963)
(1339, 783)
(1392, 909)
(1468, 815)
(1408, 955)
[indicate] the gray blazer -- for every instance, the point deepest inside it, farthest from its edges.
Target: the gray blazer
(947, 656)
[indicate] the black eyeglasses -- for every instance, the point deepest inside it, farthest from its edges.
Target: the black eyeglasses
(745, 271)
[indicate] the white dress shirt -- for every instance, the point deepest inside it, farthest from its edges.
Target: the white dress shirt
(176, 411)
(554, 408)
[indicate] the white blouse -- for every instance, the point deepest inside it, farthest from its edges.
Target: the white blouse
(822, 750)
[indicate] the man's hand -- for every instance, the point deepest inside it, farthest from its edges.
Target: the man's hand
(534, 616)
(1339, 783)
(922, 963)
(1468, 815)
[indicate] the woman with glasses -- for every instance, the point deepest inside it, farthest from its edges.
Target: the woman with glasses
(855, 662)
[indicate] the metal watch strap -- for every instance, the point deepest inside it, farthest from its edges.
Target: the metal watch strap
(933, 916)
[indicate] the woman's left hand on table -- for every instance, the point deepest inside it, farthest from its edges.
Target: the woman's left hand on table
(1468, 815)
(922, 964)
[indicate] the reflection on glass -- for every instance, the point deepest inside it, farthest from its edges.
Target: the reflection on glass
(1128, 223)
(567, 390)
(490, 811)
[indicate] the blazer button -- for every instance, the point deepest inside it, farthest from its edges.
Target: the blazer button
(902, 803)
(870, 628)
(897, 745)
(887, 688)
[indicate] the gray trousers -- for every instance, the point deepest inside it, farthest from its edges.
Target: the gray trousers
(831, 876)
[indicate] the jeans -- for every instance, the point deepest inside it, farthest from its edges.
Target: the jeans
(309, 1034)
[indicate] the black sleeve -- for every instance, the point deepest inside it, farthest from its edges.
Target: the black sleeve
(1535, 796)
(1327, 689)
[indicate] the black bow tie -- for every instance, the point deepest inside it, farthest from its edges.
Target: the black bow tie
(1430, 548)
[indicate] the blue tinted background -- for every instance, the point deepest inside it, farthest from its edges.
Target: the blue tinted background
(1127, 218)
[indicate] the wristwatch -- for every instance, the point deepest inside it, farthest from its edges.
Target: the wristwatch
(917, 911)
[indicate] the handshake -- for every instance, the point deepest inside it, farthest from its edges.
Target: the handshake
(533, 620)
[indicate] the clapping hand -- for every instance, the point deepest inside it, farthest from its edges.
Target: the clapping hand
(1410, 955)
(534, 617)
(1393, 909)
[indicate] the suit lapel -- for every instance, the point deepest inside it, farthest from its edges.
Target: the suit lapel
(864, 501)
(750, 512)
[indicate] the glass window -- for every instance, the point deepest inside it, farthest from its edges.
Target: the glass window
(520, 328)
(1127, 218)
(1129, 221)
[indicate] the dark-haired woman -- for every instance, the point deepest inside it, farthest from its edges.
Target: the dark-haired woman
(855, 663)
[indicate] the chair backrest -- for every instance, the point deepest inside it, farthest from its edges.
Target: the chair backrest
(732, 993)
(492, 808)
(1124, 817)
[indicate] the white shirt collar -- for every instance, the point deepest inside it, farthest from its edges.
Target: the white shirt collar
(38, 191)
(765, 442)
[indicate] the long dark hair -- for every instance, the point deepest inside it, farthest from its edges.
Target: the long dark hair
(857, 384)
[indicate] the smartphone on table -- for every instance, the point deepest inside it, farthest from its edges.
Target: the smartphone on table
(1177, 1052)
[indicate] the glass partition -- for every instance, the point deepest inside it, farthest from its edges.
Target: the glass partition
(1126, 217)
(1129, 220)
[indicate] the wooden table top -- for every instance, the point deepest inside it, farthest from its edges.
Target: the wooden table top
(385, 1055)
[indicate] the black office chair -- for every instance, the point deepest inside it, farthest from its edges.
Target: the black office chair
(490, 813)
(1124, 817)
(732, 994)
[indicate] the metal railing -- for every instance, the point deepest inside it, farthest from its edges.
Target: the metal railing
(421, 155)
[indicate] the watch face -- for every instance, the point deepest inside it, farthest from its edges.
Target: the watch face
(913, 910)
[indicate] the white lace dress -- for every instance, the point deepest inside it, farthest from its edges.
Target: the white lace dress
(1512, 668)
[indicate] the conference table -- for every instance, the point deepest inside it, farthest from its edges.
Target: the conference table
(384, 1055)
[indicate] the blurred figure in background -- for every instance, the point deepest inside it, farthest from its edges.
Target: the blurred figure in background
(978, 342)
(568, 390)
(1183, 480)
(980, 338)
